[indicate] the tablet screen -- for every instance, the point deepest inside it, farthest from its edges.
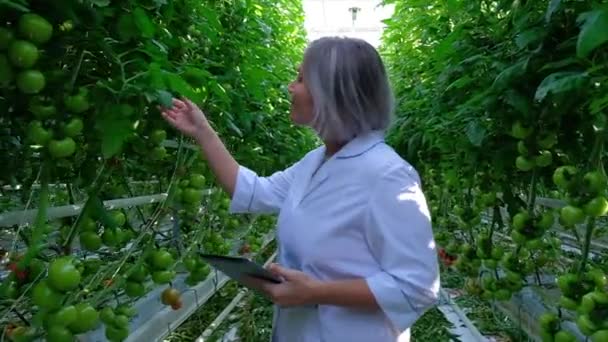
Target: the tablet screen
(237, 268)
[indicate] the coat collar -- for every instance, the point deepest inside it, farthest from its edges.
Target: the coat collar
(360, 145)
(311, 180)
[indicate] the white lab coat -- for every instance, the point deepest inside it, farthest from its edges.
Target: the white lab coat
(361, 215)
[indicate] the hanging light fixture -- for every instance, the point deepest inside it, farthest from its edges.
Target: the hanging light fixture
(353, 11)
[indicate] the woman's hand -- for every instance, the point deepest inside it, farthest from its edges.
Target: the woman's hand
(297, 288)
(186, 117)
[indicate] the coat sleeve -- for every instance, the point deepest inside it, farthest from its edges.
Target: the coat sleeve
(399, 235)
(261, 195)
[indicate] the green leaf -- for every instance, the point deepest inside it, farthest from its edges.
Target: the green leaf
(165, 98)
(599, 105)
(518, 101)
(19, 5)
(560, 64)
(126, 27)
(531, 36)
(560, 82)
(143, 23)
(510, 74)
(234, 128)
(100, 3)
(155, 76)
(594, 31)
(461, 82)
(178, 85)
(552, 8)
(114, 130)
(475, 132)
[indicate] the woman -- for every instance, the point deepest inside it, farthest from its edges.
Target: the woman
(356, 248)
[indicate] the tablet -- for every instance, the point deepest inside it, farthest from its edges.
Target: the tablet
(238, 267)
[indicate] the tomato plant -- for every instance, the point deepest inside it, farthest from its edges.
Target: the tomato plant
(80, 87)
(504, 103)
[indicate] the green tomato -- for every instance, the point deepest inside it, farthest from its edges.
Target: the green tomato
(35, 28)
(518, 237)
(522, 149)
(63, 275)
(59, 333)
(566, 336)
(73, 127)
(197, 181)
(587, 303)
(572, 215)
(586, 325)
(520, 131)
(87, 318)
(38, 134)
(597, 207)
(521, 220)
(598, 336)
(116, 334)
(118, 217)
(23, 54)
(42, 110)
(568, 303)
(594, 182)
(162, 260)
(133, 289)
(77, 103)
(62, 148)
(158, 153)
(64, 317)
(564, 176)
(30, 81)
(162, 277)
(544, 159)
(90, 241)
(534, 244)
(45, 297)
(598, 277)
(524, 164)
(125, 310)
(192, 196)
(549, 322)
(9, 289)
(547, 140)
(107, 315)
(546, 221)
(190, 264)
(138, 274)
(110, 237)
(566, 282)
(158, 136)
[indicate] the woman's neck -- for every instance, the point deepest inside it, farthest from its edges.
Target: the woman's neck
(332, 147)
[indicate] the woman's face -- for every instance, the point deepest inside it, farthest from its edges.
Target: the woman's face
(301, 101)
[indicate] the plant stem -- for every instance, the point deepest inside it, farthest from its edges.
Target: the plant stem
(587, 244)
(532, 191)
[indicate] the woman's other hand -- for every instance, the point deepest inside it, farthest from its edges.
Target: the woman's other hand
(187, 117)
(297, 288)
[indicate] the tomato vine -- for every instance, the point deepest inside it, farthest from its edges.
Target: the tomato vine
(503, 105)
(80, 83)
